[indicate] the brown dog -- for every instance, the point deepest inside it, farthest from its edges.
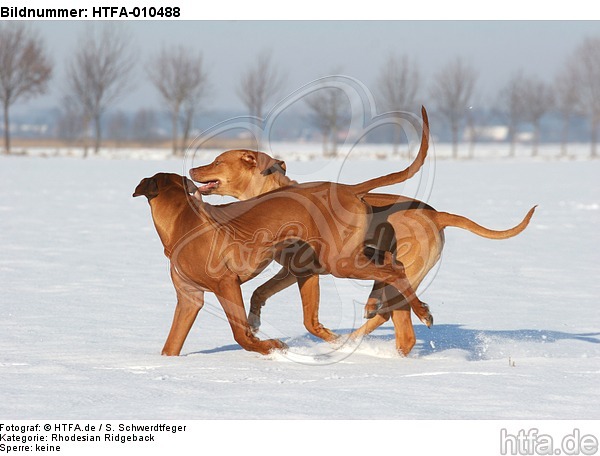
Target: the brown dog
(217, 248)
(415, 227)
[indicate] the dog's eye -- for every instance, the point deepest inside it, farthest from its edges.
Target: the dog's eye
(217, 162)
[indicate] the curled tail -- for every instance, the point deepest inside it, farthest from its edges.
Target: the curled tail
(445, 219)
(400, 176)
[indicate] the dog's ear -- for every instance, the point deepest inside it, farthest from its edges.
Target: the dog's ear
(189, 185)
(277, 166)
(250, 158)
(147, 187)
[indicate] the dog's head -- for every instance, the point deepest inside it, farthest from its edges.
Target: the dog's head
(232, 172)
(150, 187)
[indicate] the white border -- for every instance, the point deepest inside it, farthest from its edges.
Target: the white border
(347, 9)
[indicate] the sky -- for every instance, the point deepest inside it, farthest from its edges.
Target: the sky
(306, 50)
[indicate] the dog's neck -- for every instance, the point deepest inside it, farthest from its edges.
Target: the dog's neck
(167, 210)
(264, 184)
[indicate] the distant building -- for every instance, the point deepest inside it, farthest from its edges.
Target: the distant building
(495, 133)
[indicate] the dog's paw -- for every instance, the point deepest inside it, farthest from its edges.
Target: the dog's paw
(427, 320)
(423, 313)
(372, 309)
(370, 313)
(279, 346)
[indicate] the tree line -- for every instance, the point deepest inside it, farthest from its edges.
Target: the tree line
(99, 73)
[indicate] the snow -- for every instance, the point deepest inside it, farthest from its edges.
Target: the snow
(87, 303)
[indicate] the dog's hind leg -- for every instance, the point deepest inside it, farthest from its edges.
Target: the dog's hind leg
(278, 282)
(391, 274)
(403, 328)
(380, 242)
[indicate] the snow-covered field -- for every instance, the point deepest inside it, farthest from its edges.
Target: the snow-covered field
(87, 302)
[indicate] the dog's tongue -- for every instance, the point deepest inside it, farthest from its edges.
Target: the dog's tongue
(205, 186)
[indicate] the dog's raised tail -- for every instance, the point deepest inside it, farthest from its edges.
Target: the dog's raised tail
(400, 176)
(445, 219)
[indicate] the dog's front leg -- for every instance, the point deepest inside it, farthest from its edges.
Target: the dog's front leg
(309, 292)
(229, 295)
(190, 300)
(375, 298)
(278, 282)
(370, 325)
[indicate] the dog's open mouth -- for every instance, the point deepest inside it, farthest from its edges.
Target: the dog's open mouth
(208, 186)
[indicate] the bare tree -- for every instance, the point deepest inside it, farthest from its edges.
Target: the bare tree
(397, 85)
(178, 75)
(329, 109)
(144, 126)
(98, 74)
(567, 99)
(476, 125)
(260, 84)
(71, 123)
(587, 77)
(452, 90)
(24, 69)
(537, 101)
(186, 120)
(118, 127)
(511, 107)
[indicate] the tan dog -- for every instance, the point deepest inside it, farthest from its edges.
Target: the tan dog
(415, 227)
(217, 248)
